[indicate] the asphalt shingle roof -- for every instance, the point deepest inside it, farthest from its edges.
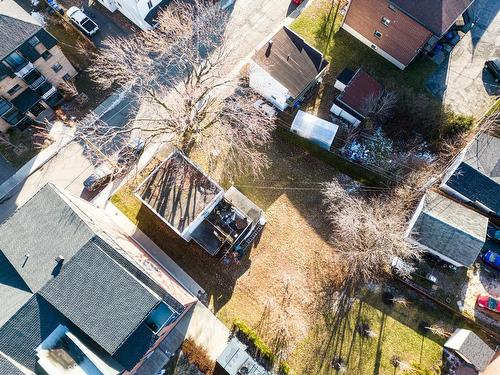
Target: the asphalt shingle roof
(16, 25)
(475, 186)
(290, 61)
(436, 15)
(44, 227)
(360, 88)
(7, 368)
(450, 229)
(100, 297)
(471, 347)
(484, 155)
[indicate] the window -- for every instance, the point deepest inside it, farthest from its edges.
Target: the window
(373, 46)
(56, 67)
(46, 55)
(377, 34)
(13, 90)
(385, 21)
(392, 7)
(150, 4)
(16, 61)
(66, 77)
(34, 41)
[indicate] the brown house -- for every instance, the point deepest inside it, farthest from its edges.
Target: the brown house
(399, 29)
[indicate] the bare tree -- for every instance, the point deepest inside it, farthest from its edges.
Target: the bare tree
(439, 330)
(368, 232)
(175, 75)
(380, 107)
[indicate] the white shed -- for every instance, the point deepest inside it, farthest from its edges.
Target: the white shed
(318, 131)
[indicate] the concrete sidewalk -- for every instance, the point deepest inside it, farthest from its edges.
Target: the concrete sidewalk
(62, 136)
(153, 250)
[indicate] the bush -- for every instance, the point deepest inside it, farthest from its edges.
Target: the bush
(261, 347)
(456, 125)
(198, 356)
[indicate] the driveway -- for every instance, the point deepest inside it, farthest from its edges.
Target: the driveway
(110, 24)
(461, 81)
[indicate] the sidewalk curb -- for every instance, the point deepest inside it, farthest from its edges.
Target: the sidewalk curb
(32, 166)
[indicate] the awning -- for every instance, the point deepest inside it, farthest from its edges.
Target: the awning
(24, 101)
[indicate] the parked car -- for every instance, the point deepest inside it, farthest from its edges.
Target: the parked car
(493, 233)
(101, 176)
(81, 20)
(297, 2)
(491, 259)
(266, 108)
(488, 302)
(493, 66)
(131, 152)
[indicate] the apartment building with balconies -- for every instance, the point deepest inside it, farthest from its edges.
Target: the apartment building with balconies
(31, 67)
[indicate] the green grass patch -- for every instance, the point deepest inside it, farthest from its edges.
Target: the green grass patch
(396, 333)
(344, 51)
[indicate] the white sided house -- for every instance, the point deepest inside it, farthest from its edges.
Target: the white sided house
(285, 69)
(196, 208)
(140, 12)
(356, 88)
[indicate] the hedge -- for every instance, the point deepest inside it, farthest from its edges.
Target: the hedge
(260, 346)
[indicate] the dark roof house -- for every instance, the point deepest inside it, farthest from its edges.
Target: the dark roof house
(448, 230)
(474, 177)
(352, 104)
(285, 68)
(67, 279)
(468, 346)
(399, 29)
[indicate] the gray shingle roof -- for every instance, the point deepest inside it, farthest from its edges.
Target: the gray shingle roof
(450, 229)
(45, 227)
(100, 297)
(7, 368)
(484, 155)
(471, 347)
(476, 186)
(436, 15)
(13, 290)
(16, 25)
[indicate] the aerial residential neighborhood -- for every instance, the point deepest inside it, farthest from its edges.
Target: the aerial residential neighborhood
(235, 187)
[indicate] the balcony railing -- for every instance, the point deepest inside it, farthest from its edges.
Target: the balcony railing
(25, 70)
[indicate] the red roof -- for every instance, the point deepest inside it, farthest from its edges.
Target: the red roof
(360, 87)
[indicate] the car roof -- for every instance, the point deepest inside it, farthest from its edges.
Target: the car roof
(76, 14)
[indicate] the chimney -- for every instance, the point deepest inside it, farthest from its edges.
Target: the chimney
(269, 46)
(60, 259)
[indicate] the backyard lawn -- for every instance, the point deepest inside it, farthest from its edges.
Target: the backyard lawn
(285, 270)
(344, 51)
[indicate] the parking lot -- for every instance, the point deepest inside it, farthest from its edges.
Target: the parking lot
(461, 81)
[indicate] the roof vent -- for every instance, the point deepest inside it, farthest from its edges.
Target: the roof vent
(59, 259)
(269, 46)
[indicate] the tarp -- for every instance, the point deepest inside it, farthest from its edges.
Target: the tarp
(318, 131)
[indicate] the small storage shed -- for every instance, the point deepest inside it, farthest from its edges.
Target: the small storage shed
(318, 131)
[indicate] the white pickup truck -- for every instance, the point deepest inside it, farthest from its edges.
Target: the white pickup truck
(81, 20)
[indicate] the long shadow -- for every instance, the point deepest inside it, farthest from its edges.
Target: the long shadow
(482, 12)
(217, 279)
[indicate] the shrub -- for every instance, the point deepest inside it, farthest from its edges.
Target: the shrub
(261, 347)
(198, 356)
(456, 125)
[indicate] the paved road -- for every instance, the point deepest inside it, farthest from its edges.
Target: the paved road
(461, 82)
